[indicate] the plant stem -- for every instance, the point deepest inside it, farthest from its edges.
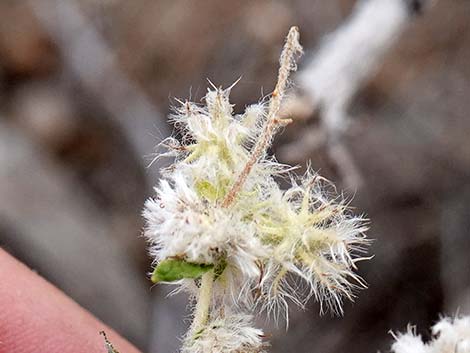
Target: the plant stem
(201, 313)
(287, 64)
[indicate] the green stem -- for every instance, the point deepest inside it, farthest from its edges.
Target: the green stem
(201, 314)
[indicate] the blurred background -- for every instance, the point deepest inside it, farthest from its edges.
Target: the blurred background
(380, 106)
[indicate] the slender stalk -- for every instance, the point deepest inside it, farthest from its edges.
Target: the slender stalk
(201, 314)
(287, 64)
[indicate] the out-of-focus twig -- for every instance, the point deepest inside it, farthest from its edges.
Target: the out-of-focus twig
(344, 61)
(88, 57)
(77, 252)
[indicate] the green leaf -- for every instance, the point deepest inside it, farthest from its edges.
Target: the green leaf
(174, 269)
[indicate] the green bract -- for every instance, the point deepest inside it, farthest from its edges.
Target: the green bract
(173, 270)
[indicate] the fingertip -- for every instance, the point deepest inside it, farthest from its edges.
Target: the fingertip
(37, 317)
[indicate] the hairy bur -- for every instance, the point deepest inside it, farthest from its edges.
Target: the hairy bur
(221, 228)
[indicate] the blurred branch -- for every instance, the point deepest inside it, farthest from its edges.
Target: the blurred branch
(350, 55)
(91, 60)
(344, 61)
(59, 231)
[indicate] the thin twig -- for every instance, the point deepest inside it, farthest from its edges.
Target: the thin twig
(93, 62)
(287, 65)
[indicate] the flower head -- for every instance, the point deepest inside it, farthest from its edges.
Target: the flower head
(222, 228)
(266, 233)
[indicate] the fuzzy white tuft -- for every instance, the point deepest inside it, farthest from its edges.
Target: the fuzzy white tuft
(450, 336)
(228, 334)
